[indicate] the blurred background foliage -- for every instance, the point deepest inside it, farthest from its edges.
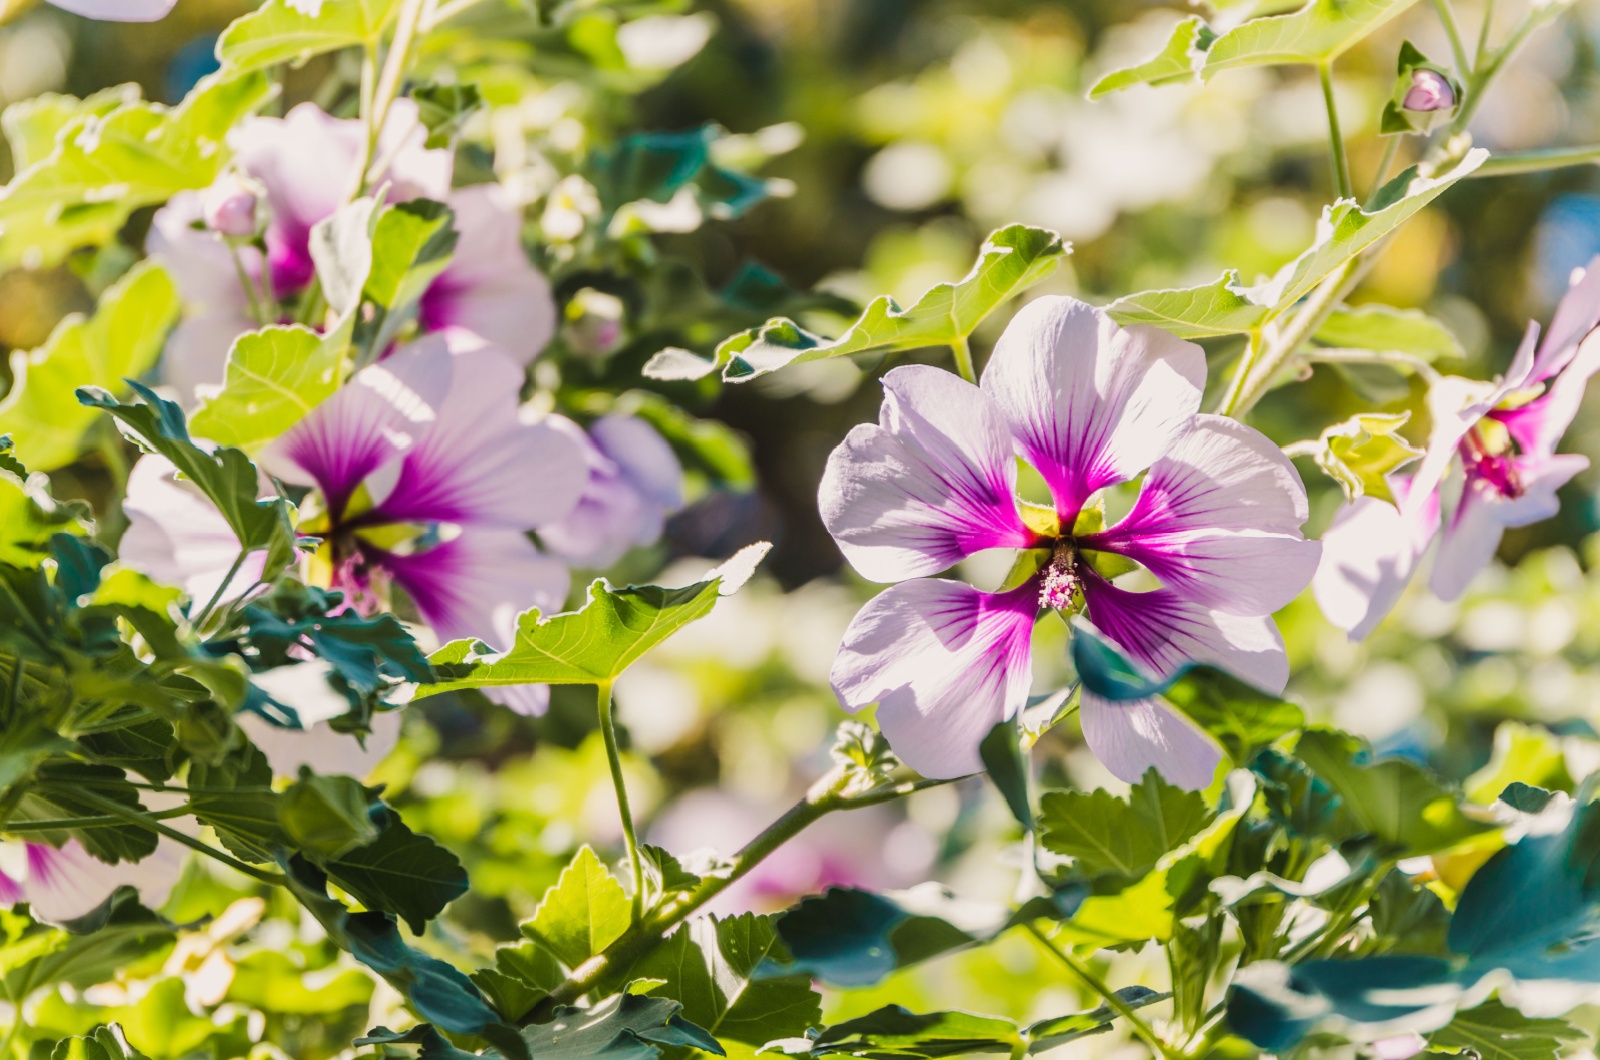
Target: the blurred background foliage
(896, 133)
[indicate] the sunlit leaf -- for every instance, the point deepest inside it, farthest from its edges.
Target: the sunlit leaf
(1179, 60)
(281, 31)
(1319, 32)
(274, 378)
(1219, 308)
(585, 911)
(1385, 328)
(1360, 453)
(1126, 837)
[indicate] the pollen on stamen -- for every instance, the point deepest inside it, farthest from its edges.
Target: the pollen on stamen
(1060, 583)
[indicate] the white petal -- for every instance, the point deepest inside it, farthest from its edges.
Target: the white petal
(1091, 404)
(933, 481)
(1134, 737)
(178, 538)
(1473, 534)
(118, 10)
(944, 662)
(1368, 557)
(67, 883)
(319, 747)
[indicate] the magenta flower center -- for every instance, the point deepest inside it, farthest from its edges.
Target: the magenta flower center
(1497, 469)
(1059, 582)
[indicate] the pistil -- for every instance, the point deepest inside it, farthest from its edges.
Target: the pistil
(1060, 584)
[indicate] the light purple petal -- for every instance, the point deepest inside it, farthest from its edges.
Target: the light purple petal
(1131, 738)
(1575, 317)
(1483, 515)
(197, 260)
(67, 883)
(1539, 425)
(933, 481)
(634, 482)
(478, 462)
(1160, 630)
(944, 662)
(318, 747)
(118, 10)
(177, 537)
(476, 584)
(531, 701)
(1218, 521)
(415, 171)
(491, 288)
(196, 358)
(1368, 557)
(1091, 404)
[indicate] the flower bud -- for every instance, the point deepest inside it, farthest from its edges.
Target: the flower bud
(231, 206)
(1430, 91)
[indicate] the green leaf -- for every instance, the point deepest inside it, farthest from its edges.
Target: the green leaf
(1007, 765)
(122, 339)
(1385, 328)
(274, 378)
(30, 518)
(1108, 835)
(445, 110)
(440, 993)
(524, 973)
(226, 476)
(411, 246)
(585, 911)
(709, 967)
(1494, 1031)
(1347, 229)
(113, 936)
(103, 1043)
(1219, 308)
(1360, 453)
(1394, 800)
(326, 816)
(1010, 261)
(1317, 33)
(341, 247)
(401, 872)
(594, 644)
(60, 783)
(1179, 60)
(32, 126)
(103, 167)
(624, 1027)
(273, 981)
(281, 31)
(1525, 754)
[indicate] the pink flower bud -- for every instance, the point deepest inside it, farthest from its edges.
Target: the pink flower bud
(230, 206)
(1430, 91)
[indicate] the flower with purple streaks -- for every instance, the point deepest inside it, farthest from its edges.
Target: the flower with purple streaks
(1089, 406)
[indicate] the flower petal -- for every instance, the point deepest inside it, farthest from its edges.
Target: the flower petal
(531, 701)
(1539, 425)
(319, 747)
(1577, 314)
(490, 287)
(1483, 515)
(67, 882)
(1131, 738)
(634, 481)
(1218, 521)
(933, 481)
(477, 462)
(476, 585)
(1161, 630)
(1369, 555)
(1091, 404)
(118, 10)
(944, 662)
(198, 261)
(178, 538)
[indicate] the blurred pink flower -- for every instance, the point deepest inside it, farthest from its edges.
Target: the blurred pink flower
(634, 484)
(1089, 405)
(67, 882)
(1502, 437)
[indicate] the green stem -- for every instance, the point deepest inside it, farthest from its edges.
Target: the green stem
(608, 731)
(1538, 161)
(143, 820)
(103, 821)
(257, 309)
(216, 597)
(388, 84)
(1341, 163)
(963, 351)
(1115, 1002)
(1447, 18)
(1379, 178)
(644, 935)
(1255, 374)
(1483, 32)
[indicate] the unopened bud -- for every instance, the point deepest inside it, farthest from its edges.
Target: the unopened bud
(230, 206)
(1430, 91)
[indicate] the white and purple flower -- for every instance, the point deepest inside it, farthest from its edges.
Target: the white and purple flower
(1503, 437)
(1088, 405)
(119, 10)
(297, 171)
(67, 882)
(635, 482)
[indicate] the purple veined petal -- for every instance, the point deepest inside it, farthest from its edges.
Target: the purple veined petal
(118, 10)
(944, 662)
(933, 481)
(490, 287)
(479, 462)
(1484, 513)
(1368, 557)
(1539, 425)
(1218, 521)
(1091, 404)
(176, 537)
(1161, 630)
(476, 584)
(1577, 314)
(66, 883)
(531, 701)
(634, 482)
(367, 425)
(1132, 738)
(308, 161)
